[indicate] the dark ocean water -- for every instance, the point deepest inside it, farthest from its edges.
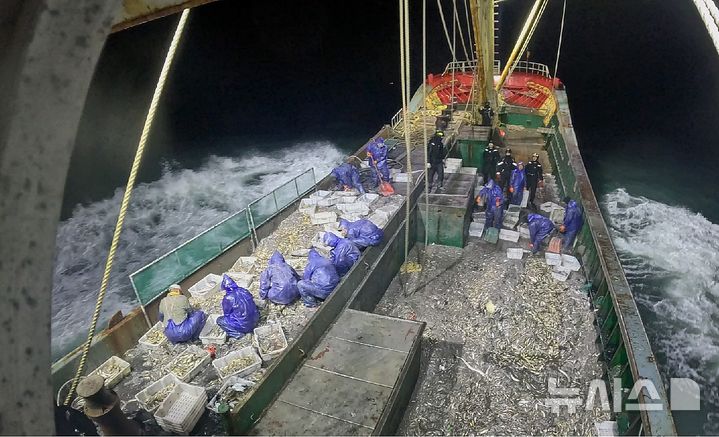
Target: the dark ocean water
(261, 91)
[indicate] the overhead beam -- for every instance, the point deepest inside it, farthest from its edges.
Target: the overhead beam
(136, 12)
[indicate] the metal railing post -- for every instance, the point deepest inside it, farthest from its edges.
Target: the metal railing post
(274, 197)
(249, 229)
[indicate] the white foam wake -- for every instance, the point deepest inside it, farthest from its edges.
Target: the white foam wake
(671, 257)
(162, 215)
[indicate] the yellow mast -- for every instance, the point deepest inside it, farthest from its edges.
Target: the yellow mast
(528, 24)
(483, 25)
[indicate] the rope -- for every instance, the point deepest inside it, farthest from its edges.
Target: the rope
(424, 124)
(525, 44)
(559, 46)
(711, 26)
(126, 199)
(459, 26)
(469, 26)
(446, 33)
(454, 51)
(404, 68)
(713, 10)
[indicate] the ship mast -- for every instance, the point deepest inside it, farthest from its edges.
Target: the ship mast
(483, 26)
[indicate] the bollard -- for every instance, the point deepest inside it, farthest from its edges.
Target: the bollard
(102, 405)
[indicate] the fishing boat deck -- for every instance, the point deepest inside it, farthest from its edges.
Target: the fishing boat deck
(497, 330)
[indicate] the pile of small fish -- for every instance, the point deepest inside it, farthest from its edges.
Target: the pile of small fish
(271, 342)
(234, 395)
(155, 400)
(216, 331)
(237, 364)
(108, 370)
(186, 362)
(155, 336)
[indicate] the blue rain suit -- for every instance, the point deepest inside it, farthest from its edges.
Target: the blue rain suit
(319, 280)
(573, 220)
(363, 233)
(347, 175)
(344, 253)
(240, 314)
(278, 282)
(517, 182)
(188, 330)
(539, 228)
(377, 155)
(493, 214)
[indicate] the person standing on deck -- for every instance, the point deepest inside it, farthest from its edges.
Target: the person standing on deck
(539, 228)
(535, 177)
(436, 154)
(573, 220)
(487, 114)
(517, 184)
(490, 159)
(494, 214)
(377, 155)
(183, 322)
(505, 168)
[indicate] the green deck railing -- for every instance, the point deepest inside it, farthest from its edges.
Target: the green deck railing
(624, 344)
(152, 280)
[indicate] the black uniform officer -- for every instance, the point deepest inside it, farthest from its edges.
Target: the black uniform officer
(505, 168)
(535, 176)
(487, 114)
(490, 160)
(436, 155)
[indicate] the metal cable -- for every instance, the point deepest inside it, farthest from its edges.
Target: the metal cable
(444, 26)
(459, 26)
(404, 68)
(424, 122)
(559, 46)
(706, 15)
(126, 198)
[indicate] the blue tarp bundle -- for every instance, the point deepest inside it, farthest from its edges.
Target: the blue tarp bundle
(240, 312)
(319, 279)
(278, 282)
(363, 233)
(344, 253)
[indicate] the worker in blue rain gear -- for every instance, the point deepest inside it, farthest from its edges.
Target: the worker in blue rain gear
(436, 154)
(573, 220)
(504, 169)
(278, 282)
(347, 177)
(516, 184)
(318, 281)
(377, 155)
(344, 253)
(494, 213)
(539, 228)
(239, 312)
(363, 233)
(183, 322)
(488, 192)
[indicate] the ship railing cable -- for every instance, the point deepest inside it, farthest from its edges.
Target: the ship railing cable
(707, 12)
(126, 198)
(470, 37)
(446, 33)
(559, 45)
(459, 28)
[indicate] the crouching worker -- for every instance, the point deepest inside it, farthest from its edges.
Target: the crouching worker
(539, 228)
(348, 177)
(319, 280)
(183, 322)
(240, 314)
(363, 233)
(344, 253)
(573, 219)
(278, 282)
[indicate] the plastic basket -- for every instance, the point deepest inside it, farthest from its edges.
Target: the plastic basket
(191, 373)
(111, 379)
(264, 331)
(476, 229)
(248, 351)
(357, 208)
(144, 396)
(507, 235)
(320, 194)
(242, 279)
(213, 405)
(147, 344)
(552, 259)
(211, 324)
(368, 198)
(515, 253)
(244, 264)
(571, 263)
(181, 410)
(320, 218)
(206, 285)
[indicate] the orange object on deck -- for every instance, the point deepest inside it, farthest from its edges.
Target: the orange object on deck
(555, 245)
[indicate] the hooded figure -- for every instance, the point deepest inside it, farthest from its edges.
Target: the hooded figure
(436, 154)
(487, 114)
(493, 198)
(517, 184)
(573, 220)
(363, 233)
(505, 168)
(183, 322)
(344, 253)
(319, 280)
(348, 176)
(278, 282)
(240, 314)
(377, 155)
(539, 228)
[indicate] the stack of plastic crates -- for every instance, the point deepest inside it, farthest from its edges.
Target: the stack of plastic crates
(181, 410)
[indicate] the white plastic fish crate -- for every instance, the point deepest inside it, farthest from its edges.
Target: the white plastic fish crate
(195, 370)
(570, 262)
(242, 279)
(244, 264)
(560, 275)
(320, 218)
(476, 229)
(112, 380)
(208, 284)
(346, 193)
(453, 161)
(145, 343)
(181, 410)
(248, 351)
(552, 259)
(328, 201)
(308, 206)
(515, 253)
(297, 264)
(557, 215)
(320, 194)
(357, 208)
(368, 198)
(210, 324)
(266, 330)
(229, 382)
(508, 235)
(468, 170)
(524, 231)
(144, 395)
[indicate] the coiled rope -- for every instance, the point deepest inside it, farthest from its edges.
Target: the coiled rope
(126, 199)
